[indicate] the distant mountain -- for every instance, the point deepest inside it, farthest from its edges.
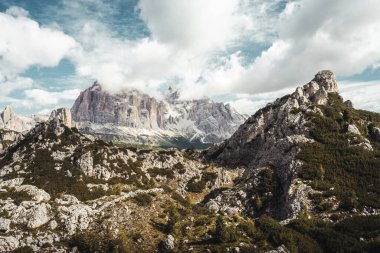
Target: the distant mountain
(11, 121)
(134, 117)
(13, 125)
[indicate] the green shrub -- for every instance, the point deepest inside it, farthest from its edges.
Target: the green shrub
(143, 199)
(24, 249)
(353, 172)
(224, 233)
(98, 242)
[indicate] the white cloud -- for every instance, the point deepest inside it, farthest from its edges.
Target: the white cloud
(249, 104)
(313, 35)
(39, 99)
(23, 43)
(186, 39)
(193, 25)
(17, 83)
(364, 95)
(17, 11)
(189, 42)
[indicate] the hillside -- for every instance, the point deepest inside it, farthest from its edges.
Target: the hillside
(300, 175)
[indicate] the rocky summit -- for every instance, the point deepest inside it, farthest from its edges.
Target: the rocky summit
(133, 117)
(300, 175)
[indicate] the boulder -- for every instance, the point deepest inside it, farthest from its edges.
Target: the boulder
(168, 243)
(375, 133)
(8, 243)
(37, 194)
(353, 129)
(4, 224)
(75, 217)
(31, 214)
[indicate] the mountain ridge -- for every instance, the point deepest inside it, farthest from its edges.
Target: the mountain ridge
(300, 175)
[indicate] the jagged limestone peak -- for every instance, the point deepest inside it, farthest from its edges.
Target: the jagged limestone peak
(62, 115)
(327, 80)
(316, 91)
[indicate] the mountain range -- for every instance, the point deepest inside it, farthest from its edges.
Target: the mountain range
(300, 175)
(136, 118)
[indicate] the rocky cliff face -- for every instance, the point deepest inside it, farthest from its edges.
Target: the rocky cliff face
(270, 140)
(131, 109)
(101, 113)
(13, 122)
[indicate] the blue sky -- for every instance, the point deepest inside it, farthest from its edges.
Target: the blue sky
(244, 52)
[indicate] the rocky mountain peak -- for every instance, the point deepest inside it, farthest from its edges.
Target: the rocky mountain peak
(152, 121)
(316, 91)
(327, 80)
(271, 137)
(172, 94)
(62, 115)
(7, 114)
(59, 119)
(9, 120)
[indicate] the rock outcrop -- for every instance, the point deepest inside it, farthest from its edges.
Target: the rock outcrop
(62, 116)
(200, 119)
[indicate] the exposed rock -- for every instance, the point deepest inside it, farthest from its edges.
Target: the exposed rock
(75, 217)
(353, 129)
(9, 120)
(7, 138)
(271, 137)
(59, 119)
(8, 243)
(279, 249)
(168, 243)
(375, 133)
(38, 195)
(11, 183)
(53, 225)
(31, 214)
(86, 164)
(4, 224)
(67, 200)
(298, 198)
(62, 115)
(201, 119)
(349, 104)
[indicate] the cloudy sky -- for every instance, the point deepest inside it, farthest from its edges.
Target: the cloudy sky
(245, 52)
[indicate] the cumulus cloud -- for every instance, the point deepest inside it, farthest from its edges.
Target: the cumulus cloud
(195, 44)
(44, 101)
(23, 44)
(186, 39)
(313, 35)
(364, 95)
(193, 25)
(186, 36)
(42, 97)
(249, 104)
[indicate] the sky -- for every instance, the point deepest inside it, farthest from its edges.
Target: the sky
(243, 52)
